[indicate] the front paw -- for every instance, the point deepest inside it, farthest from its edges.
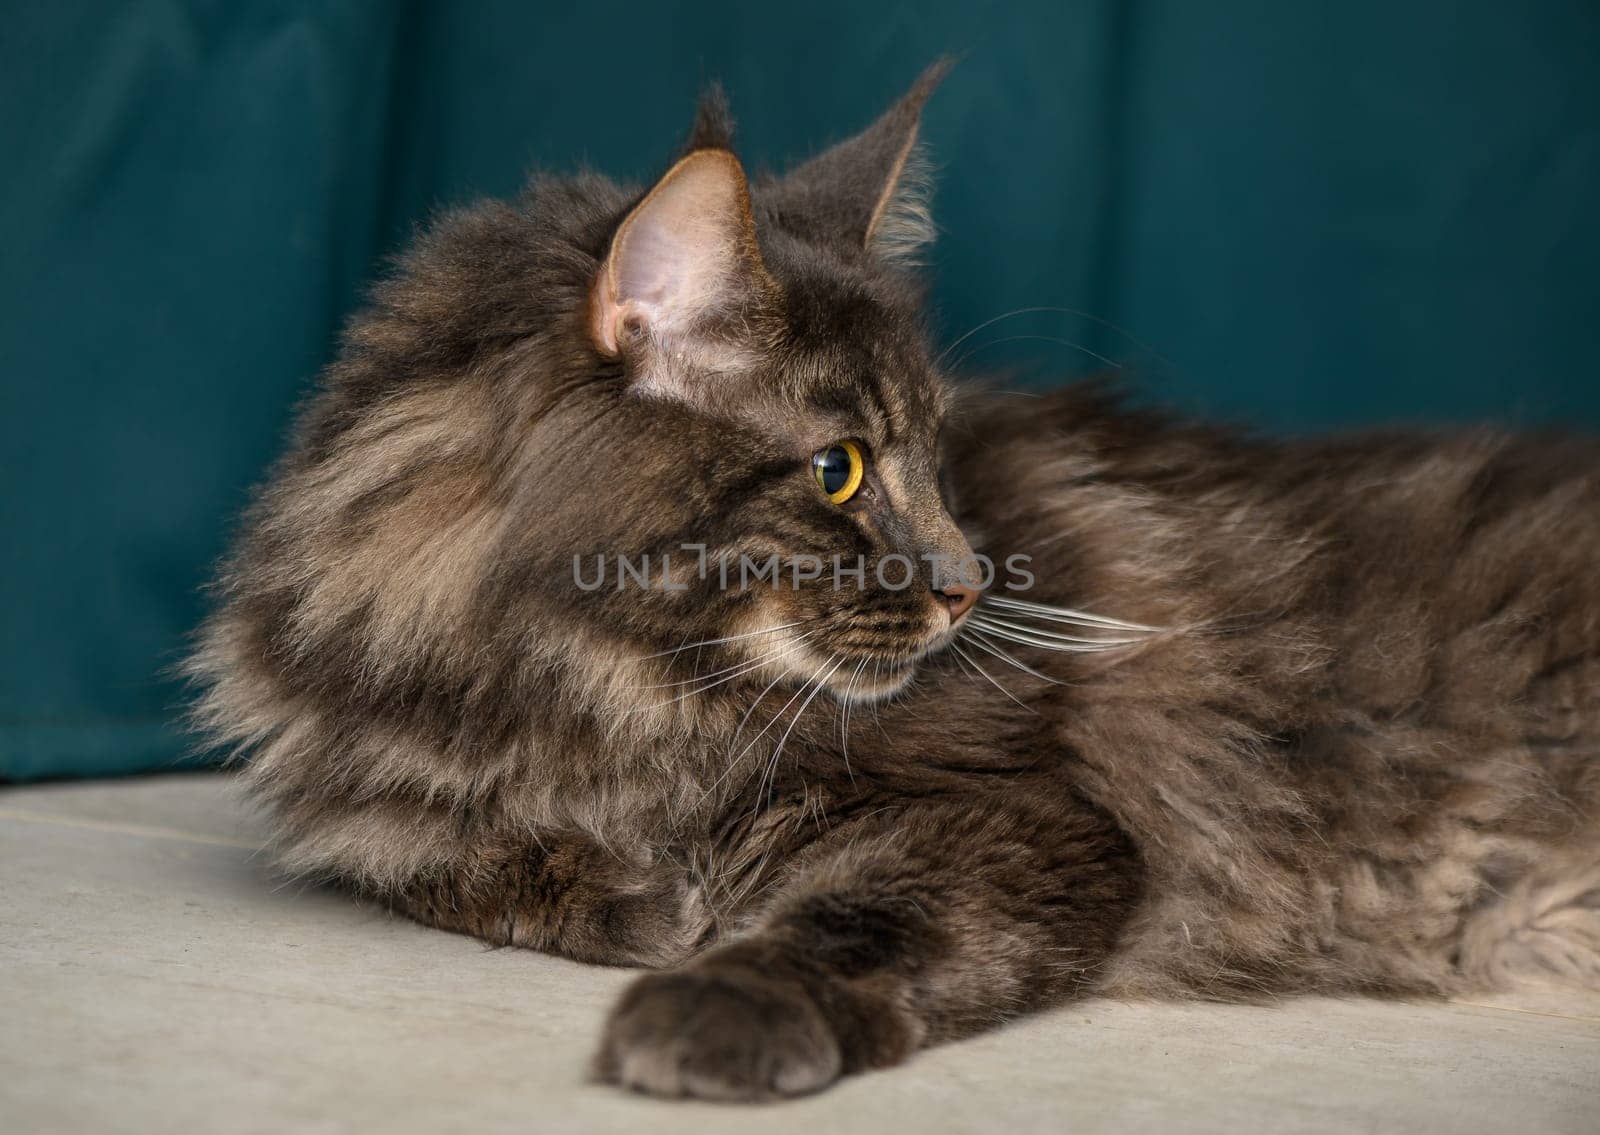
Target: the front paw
(718, 1032)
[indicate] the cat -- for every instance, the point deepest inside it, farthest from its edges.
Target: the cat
(1010, 700)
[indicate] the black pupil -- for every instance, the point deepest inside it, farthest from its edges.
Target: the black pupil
(833, 468)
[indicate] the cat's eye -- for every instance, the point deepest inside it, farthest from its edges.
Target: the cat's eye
(839, 469)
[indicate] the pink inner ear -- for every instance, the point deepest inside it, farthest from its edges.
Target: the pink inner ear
(680, 255)
(653, 262)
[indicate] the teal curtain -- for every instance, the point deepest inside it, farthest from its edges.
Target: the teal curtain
(1293, 215)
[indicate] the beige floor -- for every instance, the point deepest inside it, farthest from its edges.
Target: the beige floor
(153, 977)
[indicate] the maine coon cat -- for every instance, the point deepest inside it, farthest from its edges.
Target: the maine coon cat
(1253, 717)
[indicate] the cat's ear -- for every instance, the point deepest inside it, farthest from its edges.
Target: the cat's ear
(871, 191)
(684, 265)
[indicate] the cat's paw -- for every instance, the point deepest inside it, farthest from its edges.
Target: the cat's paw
(720, 1033)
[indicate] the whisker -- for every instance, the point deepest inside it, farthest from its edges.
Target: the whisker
(844, 721)
(821, 682)
(962, 662)
(744, 665)
(983, 643)
(746, 718)
(775, 719)
(1063, 614)
(1068, 646)
(956, 646)
(877, 677)
(1066, 614)
(733, 761)
(1106, 323)
(845, 704)
(742, 670)
(770, 771)
(944, 354)
(994, 622)
(725, 638)
(967, 356)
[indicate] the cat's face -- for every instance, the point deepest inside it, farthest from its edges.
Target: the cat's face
(764, 491)
(810, 477)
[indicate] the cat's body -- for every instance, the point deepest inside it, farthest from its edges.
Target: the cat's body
(1358, 751)
(1384, 713)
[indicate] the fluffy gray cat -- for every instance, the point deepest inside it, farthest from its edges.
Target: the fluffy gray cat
(1230, 718)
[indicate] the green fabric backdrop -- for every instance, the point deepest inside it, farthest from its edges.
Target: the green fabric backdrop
(1307, 214)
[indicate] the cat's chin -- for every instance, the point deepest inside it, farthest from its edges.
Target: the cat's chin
(883, 679)
(876, 682)
(881, 689)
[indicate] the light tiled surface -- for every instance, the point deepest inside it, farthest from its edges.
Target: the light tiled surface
(154, 977)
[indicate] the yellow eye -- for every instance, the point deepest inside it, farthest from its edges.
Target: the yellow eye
(839, 468)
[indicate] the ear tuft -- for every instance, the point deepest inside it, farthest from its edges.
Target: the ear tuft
(713, 122)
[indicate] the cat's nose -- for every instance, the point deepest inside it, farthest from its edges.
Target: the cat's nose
(959, 597)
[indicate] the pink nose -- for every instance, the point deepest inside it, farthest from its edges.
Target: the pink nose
(959, 597)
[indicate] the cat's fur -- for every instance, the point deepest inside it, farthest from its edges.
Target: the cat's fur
(1362, 753)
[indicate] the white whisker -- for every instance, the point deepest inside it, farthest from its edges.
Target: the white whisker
(741, 671)
(877, 679)
(994, 622)
(1106, 323)
(962, 662)
(983, 643)
(1063, 645)
(820, 683)
(771, 769)
(775, 719)
(726, 638)
(844, 723)
(746, 665)
(970, 352)
(733, 761)
(956, 646)
(746, 718)
(1065, 614)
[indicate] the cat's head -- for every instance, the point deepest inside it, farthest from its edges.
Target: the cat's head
(580, 432)
(773, 335)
